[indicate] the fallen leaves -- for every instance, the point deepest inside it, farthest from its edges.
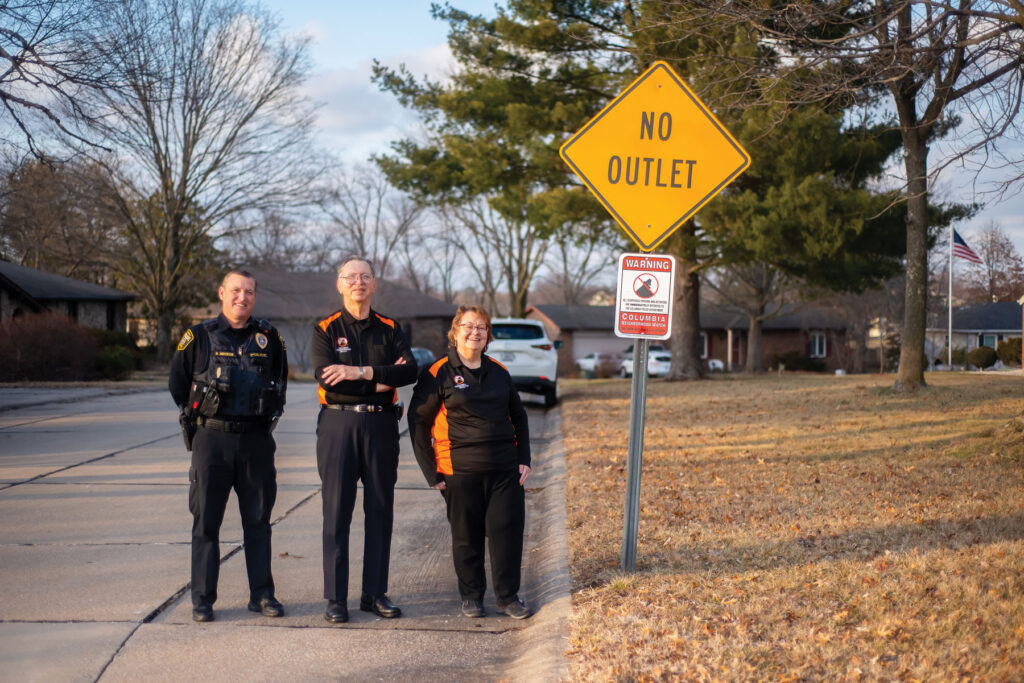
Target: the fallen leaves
(807, 531)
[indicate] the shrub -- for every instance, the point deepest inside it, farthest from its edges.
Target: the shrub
(794, 360)
(121, 340)
(982, 357)
(1009, 351)
(114, 362)
(959, 355)
(46, 346)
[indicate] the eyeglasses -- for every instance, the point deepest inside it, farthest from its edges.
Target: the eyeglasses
(358, 277)
(473, 328)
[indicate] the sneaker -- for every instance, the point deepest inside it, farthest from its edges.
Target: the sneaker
(473, 608)
(516, 609)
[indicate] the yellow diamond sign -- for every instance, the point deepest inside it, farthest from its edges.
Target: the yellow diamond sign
(655, 155)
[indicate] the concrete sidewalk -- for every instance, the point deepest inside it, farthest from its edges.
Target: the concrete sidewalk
(94, 554)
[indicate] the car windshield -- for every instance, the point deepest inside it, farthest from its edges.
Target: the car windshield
(503, 331)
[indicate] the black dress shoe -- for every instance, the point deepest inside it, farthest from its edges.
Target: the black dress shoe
(267, 606)
(202, 613)
(337, 612)
(380, 605)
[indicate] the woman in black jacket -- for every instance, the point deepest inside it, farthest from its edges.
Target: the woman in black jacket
(471, 438)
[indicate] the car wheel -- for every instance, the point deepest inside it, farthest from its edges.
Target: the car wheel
(550, 397)
(623, 372)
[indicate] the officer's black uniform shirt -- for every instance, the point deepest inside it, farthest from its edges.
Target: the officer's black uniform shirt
(377, 342)
(465, 421)
(193, 354)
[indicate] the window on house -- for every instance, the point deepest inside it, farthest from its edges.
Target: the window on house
(988, 340)
(818, 347)
(703, 344)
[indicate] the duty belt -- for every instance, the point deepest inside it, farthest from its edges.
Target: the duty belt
(360, 407)
(229, 426)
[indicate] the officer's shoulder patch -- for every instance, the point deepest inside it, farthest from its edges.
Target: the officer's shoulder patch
(186, 339)
(281, 339)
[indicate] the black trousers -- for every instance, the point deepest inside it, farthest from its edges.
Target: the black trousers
(220, 462)
(491, 505)
(353, 447)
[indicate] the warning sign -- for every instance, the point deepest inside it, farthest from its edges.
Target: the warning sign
(643, 301)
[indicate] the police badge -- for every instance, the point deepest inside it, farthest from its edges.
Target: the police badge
(261, 340)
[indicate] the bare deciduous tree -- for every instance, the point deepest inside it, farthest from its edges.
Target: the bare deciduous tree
(502, 252)
(55, 217)
(1001, 276)
(758, 291)
(372, 215)
(209, 124)
(575, 264)
(45, 61)
(932, 62)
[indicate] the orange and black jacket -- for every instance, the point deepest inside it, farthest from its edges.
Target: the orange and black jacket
(376, 341)
(465, 421)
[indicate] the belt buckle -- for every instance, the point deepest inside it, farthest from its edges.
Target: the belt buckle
(363, 408)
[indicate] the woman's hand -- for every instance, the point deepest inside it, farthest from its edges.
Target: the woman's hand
(440, 486)
(524, 472)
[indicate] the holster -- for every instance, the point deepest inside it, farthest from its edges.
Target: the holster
(188, 430)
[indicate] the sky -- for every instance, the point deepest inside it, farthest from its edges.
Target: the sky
(357, 120)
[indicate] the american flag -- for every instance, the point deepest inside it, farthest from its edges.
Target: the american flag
(961, 249)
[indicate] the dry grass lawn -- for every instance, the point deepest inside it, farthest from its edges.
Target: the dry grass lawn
(802, 527)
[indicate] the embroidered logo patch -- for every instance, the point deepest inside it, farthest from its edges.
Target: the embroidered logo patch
(460, 382)
(343, 346)
(186, 339)
(261, 340)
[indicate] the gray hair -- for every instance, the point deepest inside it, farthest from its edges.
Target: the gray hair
(348, 259)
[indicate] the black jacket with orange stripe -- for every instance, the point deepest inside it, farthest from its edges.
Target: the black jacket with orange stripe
(377, 341)
(464, 421)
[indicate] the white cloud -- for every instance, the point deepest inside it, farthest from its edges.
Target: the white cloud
(356, 118)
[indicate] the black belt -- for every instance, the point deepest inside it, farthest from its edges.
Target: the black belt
(361, 407)
(229, 426)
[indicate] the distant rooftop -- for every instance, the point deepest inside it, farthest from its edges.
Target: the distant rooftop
(43, 286)
(310, 295)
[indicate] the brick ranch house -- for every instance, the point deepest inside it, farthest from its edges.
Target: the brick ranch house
(810, 331)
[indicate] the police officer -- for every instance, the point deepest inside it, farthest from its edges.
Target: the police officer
(228, 378)
(359, 357)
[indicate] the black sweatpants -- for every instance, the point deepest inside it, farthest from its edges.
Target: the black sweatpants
(491, 505)
(222, 461)
(353, 447)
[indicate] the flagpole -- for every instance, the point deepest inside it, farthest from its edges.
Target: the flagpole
(949, 301)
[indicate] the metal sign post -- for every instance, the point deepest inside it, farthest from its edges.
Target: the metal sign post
(635, 456)
(643, 311)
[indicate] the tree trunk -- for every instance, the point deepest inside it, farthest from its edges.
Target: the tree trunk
(910, 375)
(686, 363)
(164, 323)
(754, 363)
(859, 338)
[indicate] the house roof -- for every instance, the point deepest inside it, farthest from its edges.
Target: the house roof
(1000, 316)
(712, 317)
(42, 286)
(308, 296)
(571, 318)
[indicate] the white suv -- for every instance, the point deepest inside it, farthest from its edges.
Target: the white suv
(523, 346)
